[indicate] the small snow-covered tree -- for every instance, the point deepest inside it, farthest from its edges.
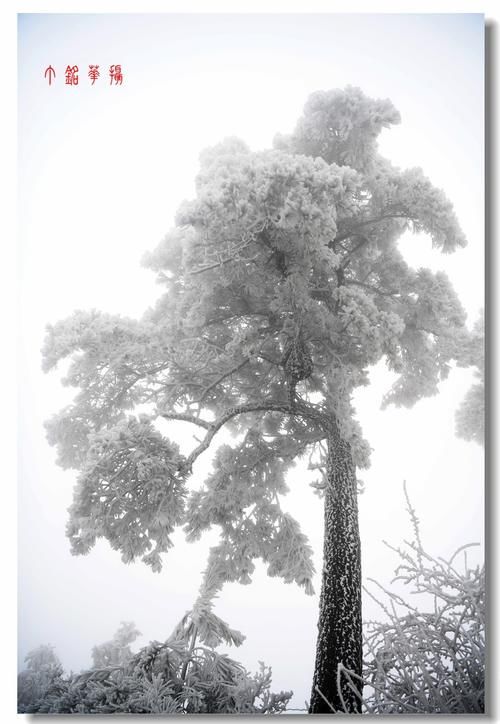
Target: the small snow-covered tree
(43, 668)
(116, 652)
(283, 283)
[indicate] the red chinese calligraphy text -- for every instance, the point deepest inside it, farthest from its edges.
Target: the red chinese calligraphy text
(72, 75)
(93, 73)
(115, 74)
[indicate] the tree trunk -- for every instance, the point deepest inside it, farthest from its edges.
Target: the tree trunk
(339, 625)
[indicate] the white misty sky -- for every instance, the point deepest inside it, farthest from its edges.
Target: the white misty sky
(102, 171)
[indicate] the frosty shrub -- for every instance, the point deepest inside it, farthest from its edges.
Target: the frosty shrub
(173, 677)
(428, 659)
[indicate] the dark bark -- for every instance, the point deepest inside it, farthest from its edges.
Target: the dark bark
(339, 625)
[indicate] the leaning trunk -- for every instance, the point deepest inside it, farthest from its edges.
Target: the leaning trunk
(339, 625)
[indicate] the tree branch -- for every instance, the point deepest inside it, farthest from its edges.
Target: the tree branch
(221, 379)
(185, 417)
(299, 410)
(217, 264)
(368, 222)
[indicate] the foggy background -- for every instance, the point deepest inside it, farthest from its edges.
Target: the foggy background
(102, 170)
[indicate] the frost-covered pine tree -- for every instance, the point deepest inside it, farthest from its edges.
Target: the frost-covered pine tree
(282, 284)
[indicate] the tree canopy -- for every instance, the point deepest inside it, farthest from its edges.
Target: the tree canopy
(282, 283)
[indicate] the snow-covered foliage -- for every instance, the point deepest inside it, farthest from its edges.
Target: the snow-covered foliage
(129, 491)
(241, 496)
(470, 416)
(173, 677)
(116, 652)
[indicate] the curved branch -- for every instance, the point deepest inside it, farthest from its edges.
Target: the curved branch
(299, 410)
(185, 417)
(224, 376)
